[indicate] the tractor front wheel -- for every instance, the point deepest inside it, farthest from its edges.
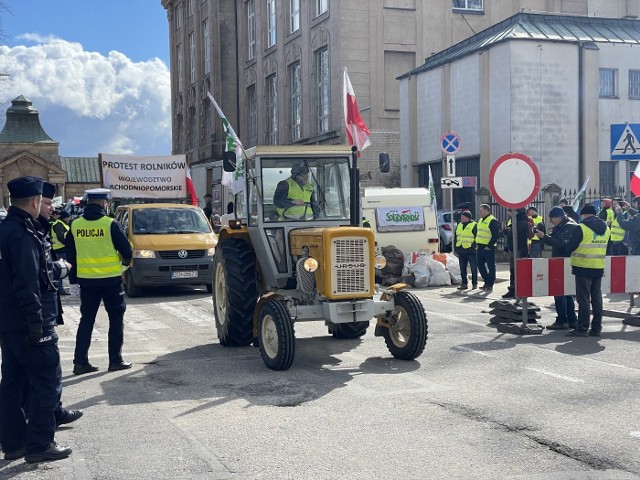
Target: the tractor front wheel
(406, 336)
(276, 335)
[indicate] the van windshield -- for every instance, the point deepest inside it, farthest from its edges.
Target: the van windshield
(169, 221)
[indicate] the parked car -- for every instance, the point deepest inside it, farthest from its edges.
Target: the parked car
(3, 214)
(445, 231)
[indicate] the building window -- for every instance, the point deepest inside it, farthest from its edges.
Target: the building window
(207, 47)
(608, 178)
(294, 15)
(475, 5)
(177, 12)
(608, 83)
(252, 116)
(180, 69)
(191, 8)
(192, 58)
(322, 89)
(272, 110)
(271, 23)
(634, 84)
(251, 30)
(321, 7)
(206, 124)
(295, 101)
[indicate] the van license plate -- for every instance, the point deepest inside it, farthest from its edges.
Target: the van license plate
(187, 274)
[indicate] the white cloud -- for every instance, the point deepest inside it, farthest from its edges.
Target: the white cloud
(88, 102)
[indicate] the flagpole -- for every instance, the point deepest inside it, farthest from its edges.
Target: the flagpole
(355, 188)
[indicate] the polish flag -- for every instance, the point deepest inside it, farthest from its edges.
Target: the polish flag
(635, 181)
(191, 190)
(357, 131)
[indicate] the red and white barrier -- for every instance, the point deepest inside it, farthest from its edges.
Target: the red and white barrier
(540, 277)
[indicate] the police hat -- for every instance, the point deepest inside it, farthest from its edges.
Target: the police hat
(299, 169)
(97, 193)
(24, 187)
(48, 190)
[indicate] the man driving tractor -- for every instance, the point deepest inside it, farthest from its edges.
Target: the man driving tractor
(294, 197)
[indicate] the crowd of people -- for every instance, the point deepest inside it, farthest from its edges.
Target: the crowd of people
(39, 248)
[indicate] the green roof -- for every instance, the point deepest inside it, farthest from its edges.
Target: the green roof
(23, 124)
(81, 169)
(539, 27)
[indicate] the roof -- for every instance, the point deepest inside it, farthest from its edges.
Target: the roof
(81, 169)
(23, 124)
(539, 27)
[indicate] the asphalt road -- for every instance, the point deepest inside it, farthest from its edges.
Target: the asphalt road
(476, 405)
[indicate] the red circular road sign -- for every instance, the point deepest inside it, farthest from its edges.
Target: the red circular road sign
(514, 180)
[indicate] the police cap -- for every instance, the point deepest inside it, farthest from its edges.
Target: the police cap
(97, 193)
(24, 187)
(48, 190)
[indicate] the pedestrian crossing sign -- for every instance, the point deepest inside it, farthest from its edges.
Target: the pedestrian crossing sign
(625, 143)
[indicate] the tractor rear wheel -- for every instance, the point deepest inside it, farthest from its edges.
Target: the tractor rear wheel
(276, 335)
(348, 330)
(407, 336)
(235, 291)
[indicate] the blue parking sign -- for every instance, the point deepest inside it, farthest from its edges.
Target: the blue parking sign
(450, 143)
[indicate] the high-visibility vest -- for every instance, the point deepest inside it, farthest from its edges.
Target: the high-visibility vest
(536, 221)
(297, 193)
(592, 249)
(96, 255)
(483, 237)
(617, 233)
(57, 244)
(464, 234)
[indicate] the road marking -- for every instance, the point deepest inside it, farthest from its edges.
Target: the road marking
(555, 375)
(467, 349)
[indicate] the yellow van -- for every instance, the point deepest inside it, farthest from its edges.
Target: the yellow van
(173, 244)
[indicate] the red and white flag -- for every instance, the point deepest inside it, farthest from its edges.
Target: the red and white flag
(357, 131)
(635, 181)
(191, 190)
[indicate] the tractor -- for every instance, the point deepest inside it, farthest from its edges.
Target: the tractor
(277, 264)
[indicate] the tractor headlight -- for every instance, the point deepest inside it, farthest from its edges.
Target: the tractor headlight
(380, 262)
(310, 265)
(144, 254)
(211, 252)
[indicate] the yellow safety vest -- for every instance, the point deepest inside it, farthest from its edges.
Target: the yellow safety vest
(296, 192)
(96, 255)
(57, 244)
(483, 237)
(536, 221)
(617, 233)
(592, 249)
(464, 236)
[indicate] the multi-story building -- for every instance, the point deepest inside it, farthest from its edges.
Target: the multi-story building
(276, 66)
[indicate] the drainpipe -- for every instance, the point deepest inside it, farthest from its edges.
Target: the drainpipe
(581, 160)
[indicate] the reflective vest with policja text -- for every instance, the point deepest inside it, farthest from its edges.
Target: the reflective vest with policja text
(592, 249)
(96, 255)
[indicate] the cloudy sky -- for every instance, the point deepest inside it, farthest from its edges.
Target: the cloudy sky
(96, 71)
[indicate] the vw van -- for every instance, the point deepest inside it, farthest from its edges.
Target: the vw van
(173, 244)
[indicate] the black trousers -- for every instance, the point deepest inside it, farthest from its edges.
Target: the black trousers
(114, 304)
(589, 293)
(470, 260)
(30, 388)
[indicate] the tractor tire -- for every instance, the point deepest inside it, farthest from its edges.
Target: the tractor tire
(348, 330)
(235, 292)
(276, 335)
(131, 289)
(407, 339)
(209, 287)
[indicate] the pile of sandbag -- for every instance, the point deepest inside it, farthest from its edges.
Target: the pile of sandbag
(432, 270)
(392, 272)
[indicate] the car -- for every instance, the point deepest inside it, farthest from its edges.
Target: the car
(173, 244)
(445, 231)
(3, 214)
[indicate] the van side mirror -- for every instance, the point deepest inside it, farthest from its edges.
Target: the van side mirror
(229, 161)
(383, 161)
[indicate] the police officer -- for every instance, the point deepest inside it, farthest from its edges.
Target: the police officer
(588, 247)
(486, 238)
(294, 197)
(51, 306)
(97, 247)
(60, 228)
(465, 249)
(30, 356)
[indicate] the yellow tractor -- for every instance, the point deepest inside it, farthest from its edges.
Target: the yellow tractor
(297, 252)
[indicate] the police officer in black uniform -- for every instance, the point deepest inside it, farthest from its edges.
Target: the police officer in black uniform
(97, 247)
(30, 356)
(51, 300)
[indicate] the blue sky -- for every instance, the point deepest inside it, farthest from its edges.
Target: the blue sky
(97, 71)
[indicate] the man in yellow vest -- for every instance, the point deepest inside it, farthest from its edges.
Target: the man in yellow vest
(98, 247)
(538, 226)
(588, 247)
(617, 244)
(294, 197)
(629, 220)
(465, 249)
(488, 231)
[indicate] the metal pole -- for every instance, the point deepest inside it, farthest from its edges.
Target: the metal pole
(356, 219)
(453, 228)
(514, 256)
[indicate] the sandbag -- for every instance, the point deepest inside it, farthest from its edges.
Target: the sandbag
(440, 279)
(395, 261)
(453, 267)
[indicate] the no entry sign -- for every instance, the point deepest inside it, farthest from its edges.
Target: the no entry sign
(514, 180)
